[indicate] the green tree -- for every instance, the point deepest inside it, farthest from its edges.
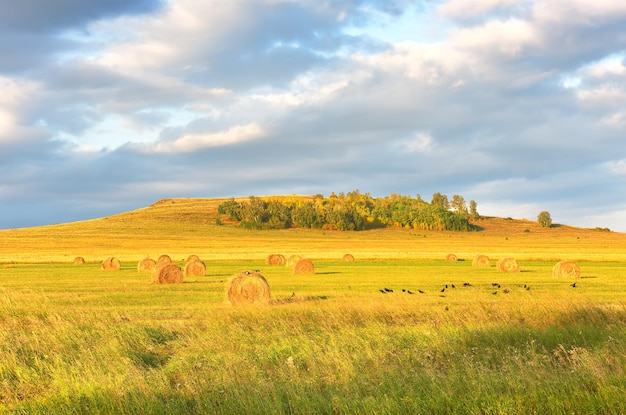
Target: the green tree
(473, 212)
(440, 200)
(458, 204)
(544, 219)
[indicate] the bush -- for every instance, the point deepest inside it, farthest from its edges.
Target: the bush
(544, 219)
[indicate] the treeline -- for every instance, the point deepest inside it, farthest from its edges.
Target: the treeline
(352, 211)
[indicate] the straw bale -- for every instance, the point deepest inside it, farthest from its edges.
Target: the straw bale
(165, 273)
(568, 269)
(507, 265)
(79, 260)
(481, 261)
(111, 264)
(248, 288)
(293, 259)
(146, 265)
(195, 268)
(275, 259)
(451, 258)
(304, 266)
(348, 258)
(165, 259)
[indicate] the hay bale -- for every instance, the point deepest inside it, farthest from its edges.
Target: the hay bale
(304, 266)
(166, 259)
(146, 265)
(248, 288)
(192, 258)
(165, 273)
(507, 265)
(568, 269)
(111, 264)
(451, 258)
(195, 268)
(348, 258)
(275, 259)
(293, 259)
(481, 261)
(79, 260)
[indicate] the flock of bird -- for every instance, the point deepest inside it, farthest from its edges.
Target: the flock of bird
(496, 285)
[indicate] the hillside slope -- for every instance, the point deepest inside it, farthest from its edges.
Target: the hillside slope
(180, 227)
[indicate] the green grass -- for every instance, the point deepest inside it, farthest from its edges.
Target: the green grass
(76, 339)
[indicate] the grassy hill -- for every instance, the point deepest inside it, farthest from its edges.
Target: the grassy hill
(450, 338)
(180, 227)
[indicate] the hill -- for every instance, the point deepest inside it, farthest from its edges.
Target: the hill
(180, 227)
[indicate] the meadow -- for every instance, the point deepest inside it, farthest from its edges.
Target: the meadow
(76, 339)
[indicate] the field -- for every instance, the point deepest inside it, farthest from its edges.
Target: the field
(76, 339)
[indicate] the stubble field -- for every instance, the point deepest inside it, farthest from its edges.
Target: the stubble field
(77, 339)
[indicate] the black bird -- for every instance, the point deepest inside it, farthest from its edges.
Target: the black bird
(506, 291)
(443, 289)
(467, 284)
(383, 291)
(420, 291)
(573, 285)
(494, 284)
(453, 286)
(293, 294)
(389, 290)
(494, 293)
(446, 285)
(409, 291)
(257, 270)
(403, 290)
(527, 288)
(247, 272)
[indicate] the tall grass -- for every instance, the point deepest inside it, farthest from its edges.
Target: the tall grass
(78, 340)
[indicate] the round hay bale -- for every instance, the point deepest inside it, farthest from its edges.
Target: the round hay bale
(451, 258)
(275, 259)
(166, 259)
(248, 288)
(165, 273)
(79, 260)
(192, 258)
(146, 265)
(507, 265)
(304, 266)
(481, 261)
(293, 259)
(111, 264)
(195, 268)
(568, 269)
(348, 258)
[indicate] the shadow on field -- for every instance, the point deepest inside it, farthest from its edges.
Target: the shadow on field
(297, 299)
(328, 273)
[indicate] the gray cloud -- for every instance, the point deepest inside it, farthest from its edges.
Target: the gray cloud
(517, 107)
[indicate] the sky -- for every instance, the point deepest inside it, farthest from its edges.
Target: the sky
(109, 105)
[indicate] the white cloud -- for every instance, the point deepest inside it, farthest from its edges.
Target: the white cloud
(197, 141)
(617, 167)
(420, 143)
(469, 8)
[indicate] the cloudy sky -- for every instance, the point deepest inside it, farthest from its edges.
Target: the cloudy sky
(110, 105)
